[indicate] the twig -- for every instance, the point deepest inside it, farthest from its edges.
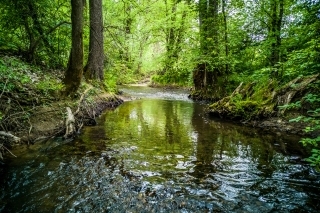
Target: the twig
(30, 128)
(9, 151)
(17, 113)
(80, 126)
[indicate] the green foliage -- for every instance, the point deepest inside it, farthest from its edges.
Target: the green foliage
(252, 101)
(138, 44)
(110, 82)
(312, 141)
(174, 77)
(313, 122)
(49, 86)
(244, 108)
(20, 77)
(304, 61)
(312, 98)
(314, 159)
(14, 73)
(295, 105)
(32, 30)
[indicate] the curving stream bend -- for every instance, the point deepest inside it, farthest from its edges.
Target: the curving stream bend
(161, 153)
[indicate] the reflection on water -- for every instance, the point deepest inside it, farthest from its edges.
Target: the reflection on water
(162, 154)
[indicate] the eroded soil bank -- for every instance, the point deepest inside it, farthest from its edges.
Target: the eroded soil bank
(270, 106)
(33, 107)
(49, 120)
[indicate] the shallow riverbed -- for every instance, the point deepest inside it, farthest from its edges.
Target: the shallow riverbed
(161, 153)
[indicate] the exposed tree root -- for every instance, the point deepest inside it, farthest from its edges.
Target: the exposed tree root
(7, 138)
(70, 124)
(289, 91)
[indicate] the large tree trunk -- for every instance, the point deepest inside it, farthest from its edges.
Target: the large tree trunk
(209, 44)
(225, 34)
(74, 71)
(170, 37)
(203, 26)
(277, 7)
(94, 68)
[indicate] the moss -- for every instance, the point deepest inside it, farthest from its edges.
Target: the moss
(206, 94)
(266, 99)
(252, 101)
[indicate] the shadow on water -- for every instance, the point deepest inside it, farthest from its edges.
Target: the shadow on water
(162, 154)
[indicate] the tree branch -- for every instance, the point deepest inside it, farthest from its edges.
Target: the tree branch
(36, 43)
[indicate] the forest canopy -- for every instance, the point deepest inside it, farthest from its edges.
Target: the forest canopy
(190, 43)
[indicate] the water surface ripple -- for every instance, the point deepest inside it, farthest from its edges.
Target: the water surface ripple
(161, 153)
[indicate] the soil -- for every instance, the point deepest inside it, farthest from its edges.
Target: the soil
(268, 108)
(49, 120)
(280, 125)
(276, 125)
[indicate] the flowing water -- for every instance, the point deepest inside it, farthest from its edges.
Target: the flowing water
(161, 153)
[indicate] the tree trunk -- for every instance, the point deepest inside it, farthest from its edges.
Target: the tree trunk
(203, 26)
(170, 37)
(94, 67)
(225, 34)
(209, 43)
(277, 7)
(208, 78)
(74, 71)
(200, 72)
(127, 31)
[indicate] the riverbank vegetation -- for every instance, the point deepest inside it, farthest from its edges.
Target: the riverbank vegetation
(243, 56)
(32, 107)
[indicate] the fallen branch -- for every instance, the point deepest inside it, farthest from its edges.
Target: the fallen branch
(237, 90)
(9, 137)
(81, 99)
(2, 146)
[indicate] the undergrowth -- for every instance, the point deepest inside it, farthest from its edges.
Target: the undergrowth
(23, 87)
(313, 120)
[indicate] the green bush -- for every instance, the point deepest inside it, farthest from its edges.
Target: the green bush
(313, 122)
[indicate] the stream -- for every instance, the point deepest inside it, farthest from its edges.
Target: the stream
(160, 152)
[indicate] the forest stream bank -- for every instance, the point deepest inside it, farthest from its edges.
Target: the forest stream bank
(288, 108)
(161, 153)
(33, 107)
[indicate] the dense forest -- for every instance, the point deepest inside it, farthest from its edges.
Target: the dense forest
(247, 48)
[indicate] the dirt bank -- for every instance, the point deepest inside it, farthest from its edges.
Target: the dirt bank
(279, 125)
(32, 107)
(271, 106)
(48, 121)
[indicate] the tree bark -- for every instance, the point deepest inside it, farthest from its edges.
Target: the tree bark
(225, 34)
(74, 71)
(203, 26)
(94, 67)
(209, 43)
(170, 37)
(277, 8)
